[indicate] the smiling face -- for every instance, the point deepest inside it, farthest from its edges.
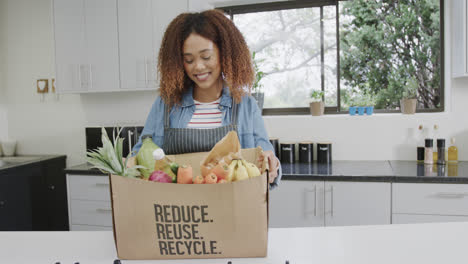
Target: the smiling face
(201, 63)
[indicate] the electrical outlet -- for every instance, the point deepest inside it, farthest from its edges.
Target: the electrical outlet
(42, 85)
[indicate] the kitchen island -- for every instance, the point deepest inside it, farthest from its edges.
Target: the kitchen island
(410, 243)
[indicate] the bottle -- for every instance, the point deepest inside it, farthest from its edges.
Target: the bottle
(428, 153)
(434, 153)
(163, 163)
(441, 151)
(420, 154)
(452, 152)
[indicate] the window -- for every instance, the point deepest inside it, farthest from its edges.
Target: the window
(357, 52)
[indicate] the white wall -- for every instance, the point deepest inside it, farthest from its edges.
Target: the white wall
(3, 65)
(56, 126)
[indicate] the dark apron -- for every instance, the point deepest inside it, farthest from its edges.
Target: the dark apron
(189, 140)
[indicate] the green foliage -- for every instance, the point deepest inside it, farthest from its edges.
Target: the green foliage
(364, 100)
(316, 95)
(411, 89)
(108, 158)
(385, 44)
(257, 86)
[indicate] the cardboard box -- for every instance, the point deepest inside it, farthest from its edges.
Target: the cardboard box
(177, 221)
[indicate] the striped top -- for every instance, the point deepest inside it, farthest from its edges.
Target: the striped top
(206, 115)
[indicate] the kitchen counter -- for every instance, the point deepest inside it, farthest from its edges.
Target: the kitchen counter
(7, 163)
(366, 171)
(84, 169)
(378, 171)
(412, 243)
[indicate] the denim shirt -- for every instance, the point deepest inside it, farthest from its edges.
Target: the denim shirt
(250, 127)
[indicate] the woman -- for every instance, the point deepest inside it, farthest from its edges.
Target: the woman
(206, 72)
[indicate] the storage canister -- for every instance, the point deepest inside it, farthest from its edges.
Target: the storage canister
(288, 152)
(306, 152)
(324, 152)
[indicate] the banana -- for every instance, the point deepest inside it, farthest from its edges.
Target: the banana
(252, 170)
(241, 172)
(232, 168)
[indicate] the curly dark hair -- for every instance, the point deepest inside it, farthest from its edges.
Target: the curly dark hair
(235, 58)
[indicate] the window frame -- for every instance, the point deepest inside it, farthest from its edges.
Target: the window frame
(329, 110)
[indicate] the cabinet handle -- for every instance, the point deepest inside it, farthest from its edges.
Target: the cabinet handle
(102, 184)
(103, 210)
(146, 71)
(51, 187)
(315, 200)
(90, 77)
(2, 203)
(79, 76)
(447, 195)
(306, 191)
(331, 200)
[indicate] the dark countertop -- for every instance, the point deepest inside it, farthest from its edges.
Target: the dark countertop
(7, 163)
(366, 171)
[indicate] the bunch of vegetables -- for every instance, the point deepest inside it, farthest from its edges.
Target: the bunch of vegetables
(154, 165)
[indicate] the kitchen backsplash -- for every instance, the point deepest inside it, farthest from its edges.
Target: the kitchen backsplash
(130, 135)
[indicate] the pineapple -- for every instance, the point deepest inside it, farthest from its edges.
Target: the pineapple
(108, 158)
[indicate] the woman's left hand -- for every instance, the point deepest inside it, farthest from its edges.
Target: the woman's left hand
(273, 164)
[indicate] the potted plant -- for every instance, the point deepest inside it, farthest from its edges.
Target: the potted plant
(256, 88)
(317, 106)
(369, 103)
(352, 106)
(361, 105)
(409, 100)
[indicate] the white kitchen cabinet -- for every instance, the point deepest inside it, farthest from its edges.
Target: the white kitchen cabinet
(165, 12)
(110, 45)
(142, 24)
(138, 54)
(459, 35)
(428, 202)
(102, 45)
(318, 203)
(297, 204)
(86, 45)
(357, 203)
(70, 44)
(89, 205)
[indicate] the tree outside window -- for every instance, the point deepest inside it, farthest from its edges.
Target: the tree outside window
(382, 46)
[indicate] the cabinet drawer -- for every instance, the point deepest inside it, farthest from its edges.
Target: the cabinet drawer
(436, 199)
(92, 188)
(90, 228)
(97, 213)
(415, 219)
